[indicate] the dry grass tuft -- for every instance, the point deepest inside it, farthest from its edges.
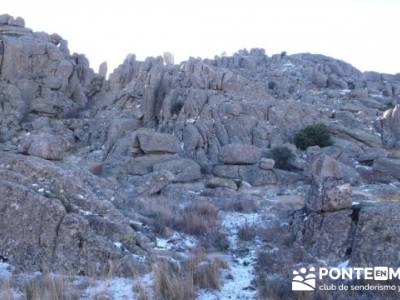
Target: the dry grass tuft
(244, 204)
(205, 270)
(199, 218)
(247, 232)
(48, 287)
(140, 291)
(162, 213)
(171, 283)
(6, 289)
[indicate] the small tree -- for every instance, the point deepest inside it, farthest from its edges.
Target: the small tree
(283, 157)
(313, 135)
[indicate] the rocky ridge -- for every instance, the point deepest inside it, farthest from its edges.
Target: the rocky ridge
(80, 152)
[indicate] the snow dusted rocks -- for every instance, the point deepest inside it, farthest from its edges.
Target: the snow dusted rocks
(60, 220)
(327, 219)
(38, 76)
(21, 210)
(179, 133)
(377, 235)
(325, 235)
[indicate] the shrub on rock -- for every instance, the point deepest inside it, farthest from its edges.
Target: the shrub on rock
(313, 135)
(283, 158)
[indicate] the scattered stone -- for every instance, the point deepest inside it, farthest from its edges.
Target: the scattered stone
(267, 164)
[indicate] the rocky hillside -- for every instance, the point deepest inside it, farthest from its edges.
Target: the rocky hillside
(200, 172)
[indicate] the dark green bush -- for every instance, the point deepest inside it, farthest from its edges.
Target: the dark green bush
(283, 157)
(313, 135)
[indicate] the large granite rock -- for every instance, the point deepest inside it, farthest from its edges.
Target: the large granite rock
(184, 170)
(329, 195)
(388, 166)
(376, 238)
(142, 165)
(154, 142)
(60, 220)
(46, 146)
(325, 235)
(322, 166)
(38, 76)
(238, 154)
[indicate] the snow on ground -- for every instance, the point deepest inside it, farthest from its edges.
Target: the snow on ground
(178, 241)
(344, 264)
(5, 270)
(119, 288)
(241, 263)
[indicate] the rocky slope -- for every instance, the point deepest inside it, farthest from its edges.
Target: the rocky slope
(86, 162)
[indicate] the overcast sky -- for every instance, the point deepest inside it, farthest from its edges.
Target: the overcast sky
(364, 33)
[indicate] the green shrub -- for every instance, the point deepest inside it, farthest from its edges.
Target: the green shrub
(283, 157)
(313, 135)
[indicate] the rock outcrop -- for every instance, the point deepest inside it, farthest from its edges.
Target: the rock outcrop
(389, 125)
(78, 151)
(54, 219)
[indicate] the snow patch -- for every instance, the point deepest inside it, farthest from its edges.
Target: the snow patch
(86, 212)
(5, 269)
(118, 288)
(344, 264)
(118, 245)
(239, 285)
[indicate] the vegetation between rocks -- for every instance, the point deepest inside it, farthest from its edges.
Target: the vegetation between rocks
(313, 135)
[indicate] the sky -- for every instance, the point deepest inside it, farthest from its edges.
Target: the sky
(364, 33)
